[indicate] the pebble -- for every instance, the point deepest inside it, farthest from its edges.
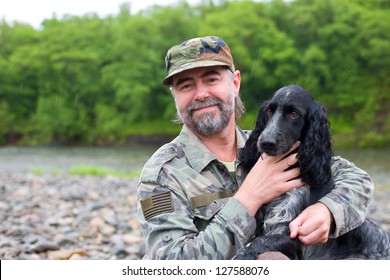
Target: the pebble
(68, 217)
(85, 217)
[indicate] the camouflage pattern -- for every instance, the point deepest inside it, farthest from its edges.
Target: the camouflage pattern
(197, 52)
(186, 170)
(349, 200)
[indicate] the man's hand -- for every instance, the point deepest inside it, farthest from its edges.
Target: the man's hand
(268, 179)
(313, 225)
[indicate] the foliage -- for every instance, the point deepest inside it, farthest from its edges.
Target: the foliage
(89, 80)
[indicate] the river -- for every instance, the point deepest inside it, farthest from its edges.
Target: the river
(131, 159)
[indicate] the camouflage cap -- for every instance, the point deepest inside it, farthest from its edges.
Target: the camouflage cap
(197, 52)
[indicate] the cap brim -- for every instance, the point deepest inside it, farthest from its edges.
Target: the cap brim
(192, 65)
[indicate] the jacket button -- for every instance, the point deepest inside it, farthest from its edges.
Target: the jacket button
(166, 236)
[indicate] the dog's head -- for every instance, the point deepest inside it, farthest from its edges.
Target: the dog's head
(292, 114)
(284, 118)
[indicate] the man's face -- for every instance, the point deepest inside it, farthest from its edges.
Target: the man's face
(205, 98)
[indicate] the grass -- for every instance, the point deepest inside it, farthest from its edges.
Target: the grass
(90, 170)
(37, 171)
(100, 171)
(384, 187)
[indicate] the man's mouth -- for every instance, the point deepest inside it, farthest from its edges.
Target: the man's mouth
(203, 106)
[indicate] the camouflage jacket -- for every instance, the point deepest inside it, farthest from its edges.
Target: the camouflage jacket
(186, 210)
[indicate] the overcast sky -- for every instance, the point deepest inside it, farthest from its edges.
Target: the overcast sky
(35, 11)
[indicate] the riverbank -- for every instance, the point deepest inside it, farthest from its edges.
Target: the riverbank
(84, 217)
(68, 217)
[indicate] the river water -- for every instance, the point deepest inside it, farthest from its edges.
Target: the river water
(61, 159)
(125, 159)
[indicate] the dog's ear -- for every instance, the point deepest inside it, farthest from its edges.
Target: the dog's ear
(315, 151)
(249, 155)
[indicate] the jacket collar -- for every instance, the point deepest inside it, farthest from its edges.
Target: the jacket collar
(197, 153)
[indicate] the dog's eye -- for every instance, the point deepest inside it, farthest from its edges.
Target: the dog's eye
(269, 113)
(294, 115)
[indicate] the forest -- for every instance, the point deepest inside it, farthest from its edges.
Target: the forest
(87, 80)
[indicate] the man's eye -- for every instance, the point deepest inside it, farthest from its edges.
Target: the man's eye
(294, 115)
(185, 86)
(212, 80)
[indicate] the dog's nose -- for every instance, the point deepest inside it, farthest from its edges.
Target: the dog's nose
(268, 144)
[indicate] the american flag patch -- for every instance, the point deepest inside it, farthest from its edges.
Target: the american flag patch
(157, 204)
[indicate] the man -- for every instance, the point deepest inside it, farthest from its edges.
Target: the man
(194, 202)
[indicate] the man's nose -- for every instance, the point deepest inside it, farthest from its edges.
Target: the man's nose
(201, 91)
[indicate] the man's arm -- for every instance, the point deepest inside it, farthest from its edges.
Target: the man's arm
(351, 196)
(340, 211)
(174, 234)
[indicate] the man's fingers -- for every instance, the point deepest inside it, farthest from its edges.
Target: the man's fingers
(294, 226)
(294, 147)
(312, 226)
(287, 162)
(280, 157)
(315, 237)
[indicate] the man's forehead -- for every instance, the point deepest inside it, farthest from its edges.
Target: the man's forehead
(197, 72)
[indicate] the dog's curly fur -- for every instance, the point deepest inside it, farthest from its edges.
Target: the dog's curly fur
(290, 115)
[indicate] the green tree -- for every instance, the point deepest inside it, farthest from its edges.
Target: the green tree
(91, 80)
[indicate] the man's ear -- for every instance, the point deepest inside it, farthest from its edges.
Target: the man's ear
(172, 92)
(237, 82)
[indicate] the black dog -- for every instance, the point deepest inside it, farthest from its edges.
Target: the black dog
(290, 115)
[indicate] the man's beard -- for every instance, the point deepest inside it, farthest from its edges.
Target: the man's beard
(207, 124)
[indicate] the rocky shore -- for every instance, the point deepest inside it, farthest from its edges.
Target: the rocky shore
(68, 217)
(84, 217)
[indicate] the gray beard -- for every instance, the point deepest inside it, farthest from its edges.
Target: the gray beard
(206, 124)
